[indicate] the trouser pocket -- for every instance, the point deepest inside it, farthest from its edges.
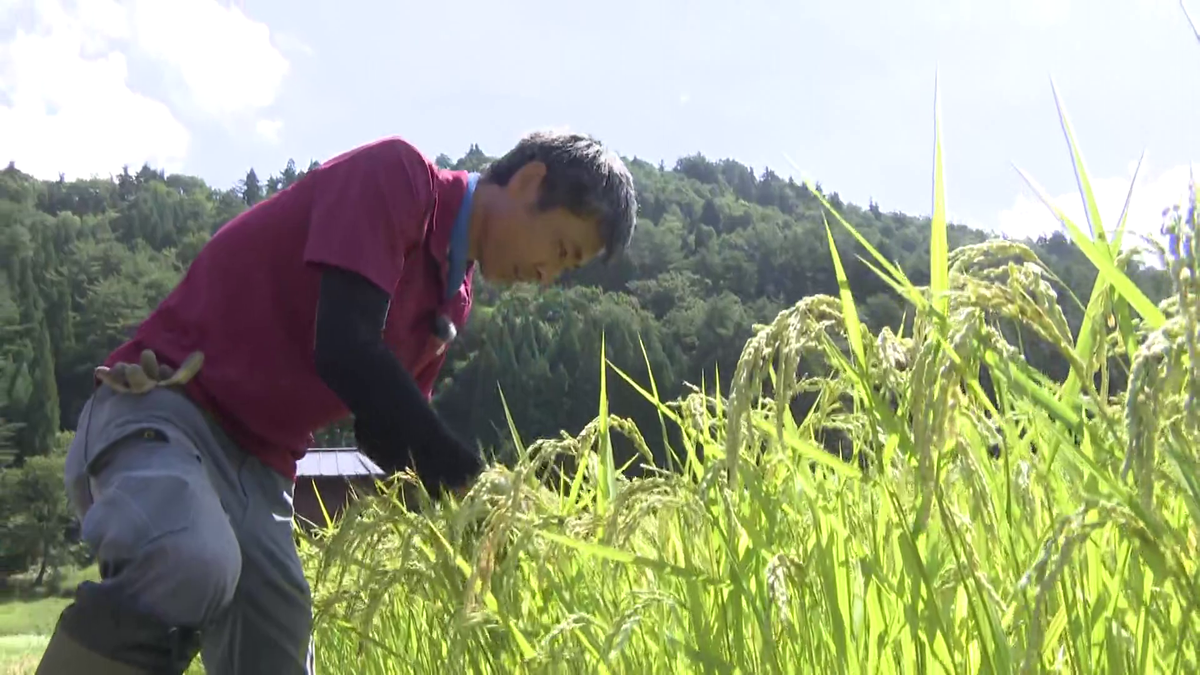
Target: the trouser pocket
(107, 419)
(159, 532)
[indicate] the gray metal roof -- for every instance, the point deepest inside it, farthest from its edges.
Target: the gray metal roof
(346, 462)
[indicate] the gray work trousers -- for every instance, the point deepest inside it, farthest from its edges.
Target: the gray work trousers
(199, 532)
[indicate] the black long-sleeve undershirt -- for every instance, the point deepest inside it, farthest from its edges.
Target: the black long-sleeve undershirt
(391, 415)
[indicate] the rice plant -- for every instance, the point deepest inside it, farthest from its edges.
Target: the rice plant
(989, 525)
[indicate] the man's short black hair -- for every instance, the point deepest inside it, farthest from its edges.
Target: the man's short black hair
(582, 176)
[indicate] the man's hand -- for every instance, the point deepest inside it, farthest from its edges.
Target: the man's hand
(139, 378)
(450, 467)
(460, 492)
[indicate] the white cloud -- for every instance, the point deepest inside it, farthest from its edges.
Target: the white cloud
(1166, 9)
(224, 60)
(291, 43)
(269, 129)
(964, 14)
(1154, 192)
(66, 101)
(1042, 13)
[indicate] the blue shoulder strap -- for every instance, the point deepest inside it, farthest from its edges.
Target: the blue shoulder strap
(459, 240)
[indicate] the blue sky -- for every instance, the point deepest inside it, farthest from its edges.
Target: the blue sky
(213, 87)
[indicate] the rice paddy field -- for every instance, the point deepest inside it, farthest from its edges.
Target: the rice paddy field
(996, 521)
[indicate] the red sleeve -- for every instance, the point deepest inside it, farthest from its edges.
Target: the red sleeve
(368, 207)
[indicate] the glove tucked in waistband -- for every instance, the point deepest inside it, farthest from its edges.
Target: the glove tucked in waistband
(139, 378)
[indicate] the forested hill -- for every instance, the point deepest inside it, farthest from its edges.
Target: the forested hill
(718, 248)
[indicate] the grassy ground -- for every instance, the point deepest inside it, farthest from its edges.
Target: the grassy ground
(25, 628)
(28, 615)
(19, 654)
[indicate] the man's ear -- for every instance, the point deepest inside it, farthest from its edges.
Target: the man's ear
(527, 181)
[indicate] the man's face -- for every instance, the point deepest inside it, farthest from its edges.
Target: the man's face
(523, 244)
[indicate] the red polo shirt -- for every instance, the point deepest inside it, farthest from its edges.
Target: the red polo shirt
(249, 300)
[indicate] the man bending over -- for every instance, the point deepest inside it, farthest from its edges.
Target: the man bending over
(334, 297)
